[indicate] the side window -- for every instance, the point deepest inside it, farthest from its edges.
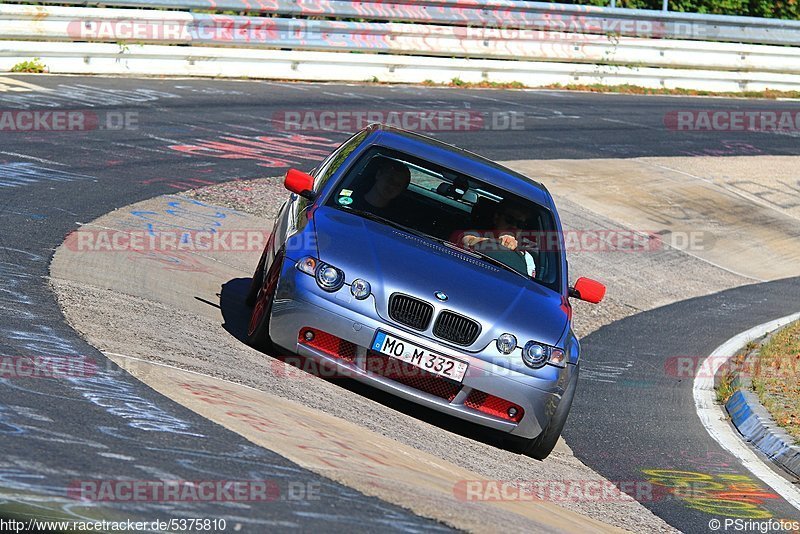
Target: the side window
(335, 160)
(324, 172)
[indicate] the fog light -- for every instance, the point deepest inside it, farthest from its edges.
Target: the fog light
(309, 335)
(360, 289)
(506, 343)
(512, 412)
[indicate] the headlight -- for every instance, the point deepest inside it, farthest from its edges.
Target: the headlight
(329, 277)
(360, 289)
(506, 343)
(535, 355)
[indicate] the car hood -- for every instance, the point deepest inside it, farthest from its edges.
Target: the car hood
(392, 260)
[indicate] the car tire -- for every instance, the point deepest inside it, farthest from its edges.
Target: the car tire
(542, 445)
(256, 282)
(258, 327)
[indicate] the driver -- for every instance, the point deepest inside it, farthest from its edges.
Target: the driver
(508, 220)
(391, 181)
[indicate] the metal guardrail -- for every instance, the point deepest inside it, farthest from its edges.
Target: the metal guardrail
(540, 16)
(177, 27)
(107, 58)
(223, 45)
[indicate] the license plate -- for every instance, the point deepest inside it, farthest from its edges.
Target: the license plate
(420, 357)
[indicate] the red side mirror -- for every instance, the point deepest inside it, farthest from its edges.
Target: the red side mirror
(588, 290)
(300, 183)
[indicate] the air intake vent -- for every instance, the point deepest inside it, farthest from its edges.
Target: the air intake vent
(410, 311)
(456, 328)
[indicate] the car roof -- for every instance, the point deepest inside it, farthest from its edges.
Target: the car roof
(458, 159)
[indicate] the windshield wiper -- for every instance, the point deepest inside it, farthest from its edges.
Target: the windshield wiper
(498, 263)
(377, 218)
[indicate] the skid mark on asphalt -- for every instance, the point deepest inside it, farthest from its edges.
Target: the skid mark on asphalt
(545, 113)
(608, 372)
(268, 150)
(77, 95)
(18, 86)
(726, 147)
(32, 158)
(23, 487)
(780, 192)
(19, 174)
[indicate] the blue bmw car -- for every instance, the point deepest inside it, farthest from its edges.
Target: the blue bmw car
(431, 273)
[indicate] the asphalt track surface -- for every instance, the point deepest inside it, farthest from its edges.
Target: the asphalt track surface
(57, 432)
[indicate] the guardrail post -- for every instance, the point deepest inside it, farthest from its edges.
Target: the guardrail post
(665, 6)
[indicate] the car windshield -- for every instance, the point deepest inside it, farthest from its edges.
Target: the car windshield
(449, 207)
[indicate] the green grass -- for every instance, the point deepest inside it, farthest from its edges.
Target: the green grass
(621, 89)
(726, 386)
(35, 66)
(776, 378)
(458, 82)
(636, 90)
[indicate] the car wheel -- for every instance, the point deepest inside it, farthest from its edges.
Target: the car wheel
(256, 282)
(258, 327)
(542, 445)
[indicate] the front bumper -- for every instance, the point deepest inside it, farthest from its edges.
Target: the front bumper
(300, 304)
